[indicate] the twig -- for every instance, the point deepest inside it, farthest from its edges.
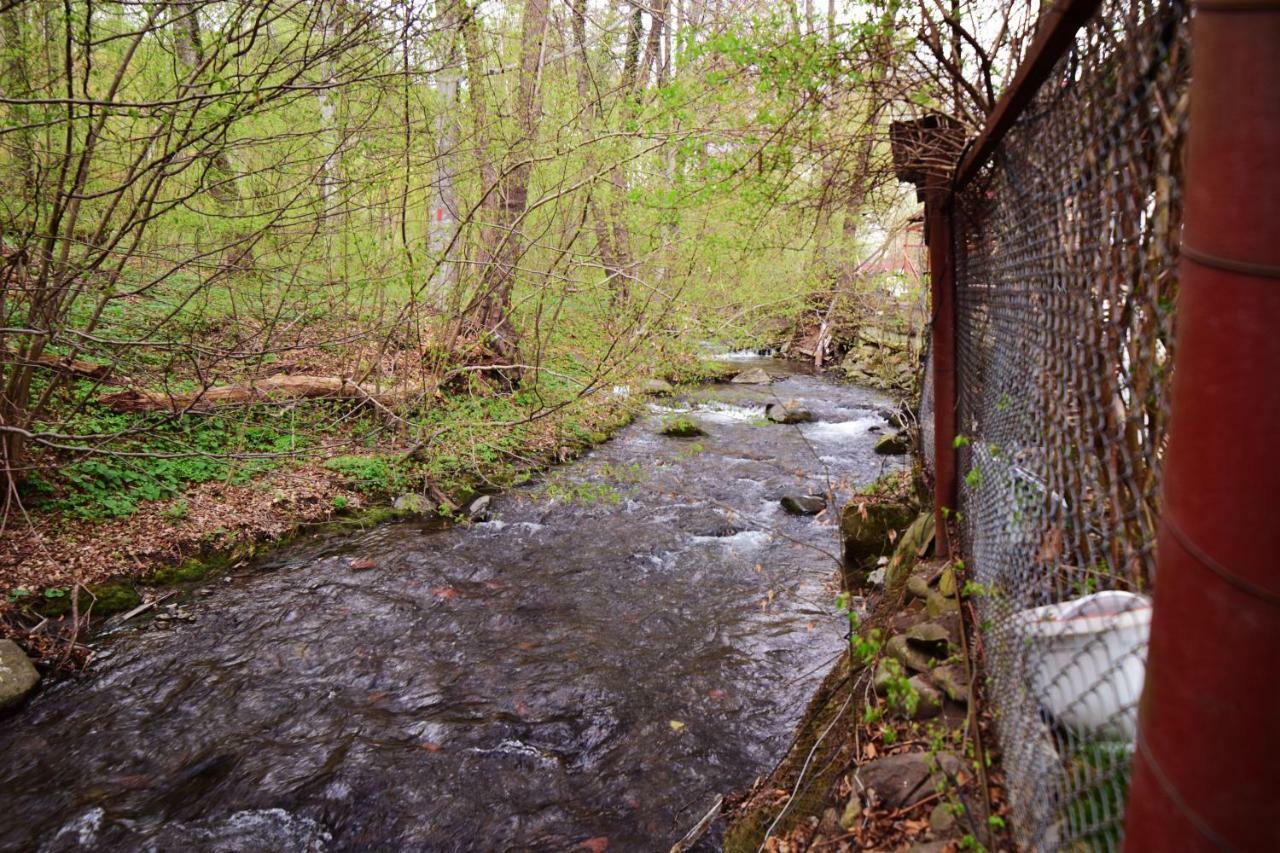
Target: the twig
(800, 777)
(827, 842)
(145, 606)
(971, 664)
(904, 810)
(699, 829)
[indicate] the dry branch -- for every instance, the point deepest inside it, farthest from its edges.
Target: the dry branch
(83, 369)
(274, 389)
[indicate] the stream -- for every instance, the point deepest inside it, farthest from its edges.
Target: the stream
(626, 638)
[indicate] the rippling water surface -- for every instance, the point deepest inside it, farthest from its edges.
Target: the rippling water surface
(624, 640)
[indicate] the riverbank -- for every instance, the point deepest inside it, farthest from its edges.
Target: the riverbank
(62, 567)
(895, 749)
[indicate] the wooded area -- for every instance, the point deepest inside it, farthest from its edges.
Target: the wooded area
(407, 206)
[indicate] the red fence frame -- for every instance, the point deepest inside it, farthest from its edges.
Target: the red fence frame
(1213, 665)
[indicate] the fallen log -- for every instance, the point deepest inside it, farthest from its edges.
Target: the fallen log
(274, 389)
(61, 364)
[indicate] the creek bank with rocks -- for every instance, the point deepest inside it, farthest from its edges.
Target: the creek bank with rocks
(876, 348)
(18, 675)
(896, 772)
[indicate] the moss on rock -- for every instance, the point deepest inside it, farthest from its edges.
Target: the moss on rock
(868, 530)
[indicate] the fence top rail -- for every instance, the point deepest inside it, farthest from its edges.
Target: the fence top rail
(1057, 29)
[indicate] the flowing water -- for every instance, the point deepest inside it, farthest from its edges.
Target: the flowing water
(622, 641)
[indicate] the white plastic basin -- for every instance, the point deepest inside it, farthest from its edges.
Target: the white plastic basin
(1088, 659)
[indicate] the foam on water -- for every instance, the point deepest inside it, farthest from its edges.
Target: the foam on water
(841, 431)
(85, 827)
(518, 748)
(728, 413)
(740, 355)
(743, 540)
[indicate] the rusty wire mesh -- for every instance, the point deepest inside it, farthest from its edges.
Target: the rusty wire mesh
(1065, 267)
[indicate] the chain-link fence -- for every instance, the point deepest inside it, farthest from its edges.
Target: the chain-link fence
(926, 413)
(1065, 248)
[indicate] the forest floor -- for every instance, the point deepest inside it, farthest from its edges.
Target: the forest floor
(54, 550)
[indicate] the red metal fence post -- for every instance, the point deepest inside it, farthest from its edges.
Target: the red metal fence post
(1206, 772)
(925, 151)
(942, 283)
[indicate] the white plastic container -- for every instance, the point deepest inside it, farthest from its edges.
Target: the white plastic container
(1088, 660)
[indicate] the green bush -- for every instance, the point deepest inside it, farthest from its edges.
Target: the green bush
(369, 474)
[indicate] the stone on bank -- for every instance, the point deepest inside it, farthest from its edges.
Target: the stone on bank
(804, 504)
(790, 412)
(18, 676)
(753, 376)
(865, 529)
(897, 444)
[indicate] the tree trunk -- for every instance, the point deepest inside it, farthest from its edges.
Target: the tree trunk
(631, 58)
(502, 245)
(17, 83)
(613, 242)
(442, 228)
(221, 178)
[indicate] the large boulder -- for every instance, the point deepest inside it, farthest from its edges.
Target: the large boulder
(912, 545)
(928, 699)
(952, 681)
(912, 659)
(918, 585)
(790, 412)
(753, 376)
(947, 582)
(412, 502)
(899, 417)
(931, 638)
(884, 676)
(924, 577)
(865, 531)
(951, 622)
(18, 676)
(938, 604)
(942, 820)
(681, 427)
(657, 387)
(478, 509)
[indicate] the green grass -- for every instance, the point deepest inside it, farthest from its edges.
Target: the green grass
(157, 458)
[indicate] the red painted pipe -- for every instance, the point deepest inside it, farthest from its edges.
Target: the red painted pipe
(942, 283)
(1206, 773)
